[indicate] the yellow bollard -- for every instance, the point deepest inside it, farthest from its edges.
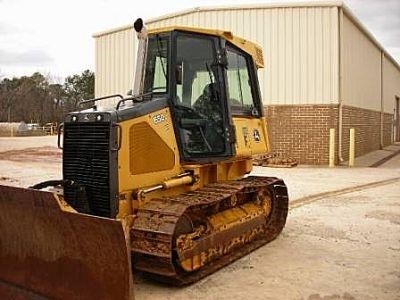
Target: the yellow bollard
(352, 147)
(331, 147)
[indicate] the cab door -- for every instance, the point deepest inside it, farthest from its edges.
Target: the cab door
(245, 103)
(203, 125)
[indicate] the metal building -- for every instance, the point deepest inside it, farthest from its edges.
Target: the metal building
(323, 70)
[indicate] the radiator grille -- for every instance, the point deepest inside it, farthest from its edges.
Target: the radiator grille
(86, 158)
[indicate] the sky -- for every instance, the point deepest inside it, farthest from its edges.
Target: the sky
(54, 37)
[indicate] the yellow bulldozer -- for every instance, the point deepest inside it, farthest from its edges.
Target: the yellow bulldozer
(158, 183)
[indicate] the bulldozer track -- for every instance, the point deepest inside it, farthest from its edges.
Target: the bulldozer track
(160, 221)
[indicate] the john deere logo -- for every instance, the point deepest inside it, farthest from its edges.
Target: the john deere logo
(256, 135)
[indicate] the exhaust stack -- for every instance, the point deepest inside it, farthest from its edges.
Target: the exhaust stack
(141, 32)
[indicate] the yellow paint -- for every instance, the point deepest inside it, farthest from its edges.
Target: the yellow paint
(127, 158)
(218, 222)
(132, 173)
(231, 217)
(175, 182)
(147, 147)
(251, 136)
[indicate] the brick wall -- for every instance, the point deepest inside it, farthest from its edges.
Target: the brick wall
(387, 129)
(302, 131)
(367, 125)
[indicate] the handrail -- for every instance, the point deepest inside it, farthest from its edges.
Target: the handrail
(123, 101)
(101, 98)
(135, 98)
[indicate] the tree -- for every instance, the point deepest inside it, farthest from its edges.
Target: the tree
(34, 99)
(13, 94)
(79, 87)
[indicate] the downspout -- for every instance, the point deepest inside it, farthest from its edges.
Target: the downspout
(382, 56)
(340, 91)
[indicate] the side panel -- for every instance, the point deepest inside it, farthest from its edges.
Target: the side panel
(149, 152)
(251, 136)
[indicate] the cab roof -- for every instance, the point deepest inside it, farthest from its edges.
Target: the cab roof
(251, 48)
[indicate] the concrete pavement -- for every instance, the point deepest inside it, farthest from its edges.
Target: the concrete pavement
(304, 182)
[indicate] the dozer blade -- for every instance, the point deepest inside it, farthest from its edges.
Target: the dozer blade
(49, 252)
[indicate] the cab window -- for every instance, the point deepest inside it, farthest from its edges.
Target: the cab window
(240, 91)
(156, 76)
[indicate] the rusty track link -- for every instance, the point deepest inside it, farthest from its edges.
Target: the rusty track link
(158, 223)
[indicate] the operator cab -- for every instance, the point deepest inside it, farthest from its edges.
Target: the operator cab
(207, 80)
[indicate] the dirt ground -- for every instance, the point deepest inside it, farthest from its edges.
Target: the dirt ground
(25, 161)
(339, 246)
(345, 247)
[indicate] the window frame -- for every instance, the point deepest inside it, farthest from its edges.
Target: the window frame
(167, 91)
(257, 111)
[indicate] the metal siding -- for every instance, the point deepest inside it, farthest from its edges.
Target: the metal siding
(296, 71)
(115, 54)
(310, 55)
(319, 67)
(300, 49)
(303, 59)
(287, 67)
(273, 72)
(264, 36)
(281, 85)
(361, 68)
(391, 85)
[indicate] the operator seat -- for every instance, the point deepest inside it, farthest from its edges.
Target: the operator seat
(210, 108)
(207, 103)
